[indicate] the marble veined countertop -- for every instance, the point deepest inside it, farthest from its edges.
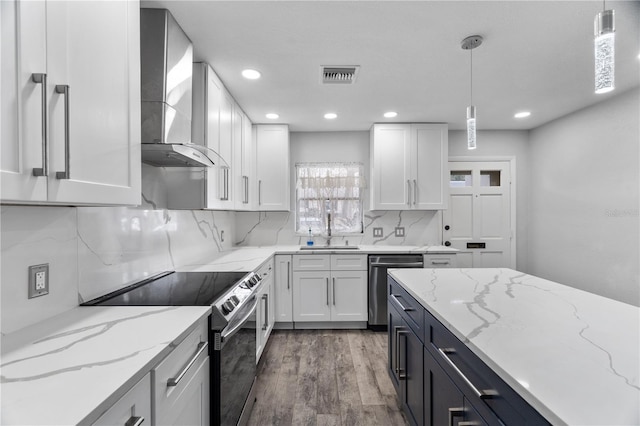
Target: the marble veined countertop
(572, 355)
(250, 258)
(71, 368)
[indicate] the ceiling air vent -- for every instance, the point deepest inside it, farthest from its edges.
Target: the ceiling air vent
(339, 74)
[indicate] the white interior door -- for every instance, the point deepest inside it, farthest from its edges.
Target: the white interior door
(478, 220)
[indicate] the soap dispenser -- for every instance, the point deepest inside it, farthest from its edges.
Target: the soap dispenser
(310, 238)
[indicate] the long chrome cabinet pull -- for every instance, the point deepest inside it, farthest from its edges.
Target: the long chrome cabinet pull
(63, 89)
(41, 78)
(455, 412)
(259, 192)
(327, 291)
(265, 297)
(134, 421)
(395, 297)
(402, 374)
(333, 287)
(288, 276)
(408, 192)
(415, 192)
(174, 381)
(480, 394)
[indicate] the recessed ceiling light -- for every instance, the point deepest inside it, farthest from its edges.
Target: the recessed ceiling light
(251, 74)
(522, 114)
(390, 114)
(272, 116)
(330, 115)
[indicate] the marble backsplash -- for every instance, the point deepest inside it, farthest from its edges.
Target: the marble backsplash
(94, 250)
(272, 228)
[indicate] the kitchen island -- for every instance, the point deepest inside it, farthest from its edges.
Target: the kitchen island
(571, 355)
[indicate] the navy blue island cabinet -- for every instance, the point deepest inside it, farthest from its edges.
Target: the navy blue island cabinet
(439, 381)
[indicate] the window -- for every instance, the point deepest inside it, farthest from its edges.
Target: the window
(323, 188)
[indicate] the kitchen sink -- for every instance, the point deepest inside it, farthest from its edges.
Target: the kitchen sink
(329, 247)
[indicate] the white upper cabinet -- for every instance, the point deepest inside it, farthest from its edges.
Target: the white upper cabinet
(243, 162)
(272, 166)
(409, 166)
(70, 102)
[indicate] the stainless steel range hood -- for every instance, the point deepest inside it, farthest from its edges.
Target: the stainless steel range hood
(166, 55)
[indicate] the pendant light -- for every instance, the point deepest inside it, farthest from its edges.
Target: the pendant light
(604, 44)
(469, 44)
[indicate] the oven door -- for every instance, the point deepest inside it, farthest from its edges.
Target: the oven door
(236, 362)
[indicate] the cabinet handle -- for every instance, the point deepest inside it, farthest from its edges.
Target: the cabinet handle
(134, 421)
(402, 374)
(415, 192)
(288, 276)
(455, 412)
(408, 192)
(471, 423)
(259, 192)
(484, 394)
(63, 89)
(245, 181)
(265, 297)
(41, 78)
(395, 297)
(174, 381)
(439, 262)
(333, 287)
(327, 291)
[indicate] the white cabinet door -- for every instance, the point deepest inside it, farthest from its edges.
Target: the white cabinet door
(272, 166)
(243, 164)
(133, 408)
(283, 287)
(390, 167)
(213, 102)
(429, 166)
(349, 296)
(409, 166)
(311, 295)
(23, 27)
(225, 173)
(264, 315)
(89, 113)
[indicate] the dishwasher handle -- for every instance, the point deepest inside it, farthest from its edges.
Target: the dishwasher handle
(397, 265)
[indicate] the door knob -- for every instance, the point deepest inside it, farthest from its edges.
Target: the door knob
(447, 227)
(447, 243)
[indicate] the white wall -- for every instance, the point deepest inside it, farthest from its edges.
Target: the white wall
(262, 228)
(584, 220)
(501, 144)
(95, 250)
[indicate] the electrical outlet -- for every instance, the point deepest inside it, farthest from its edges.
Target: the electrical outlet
(38, 280)
(399, 231)
(377, 232)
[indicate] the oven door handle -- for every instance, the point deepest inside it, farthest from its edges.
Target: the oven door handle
(233, 328)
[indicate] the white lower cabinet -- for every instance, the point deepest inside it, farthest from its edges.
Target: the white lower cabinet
(283, 289)
(180, 383)
(440, 260)
(265, 311)
(134, 408)
(329, 288)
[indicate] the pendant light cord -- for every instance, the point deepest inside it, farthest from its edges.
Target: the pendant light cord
(471, 76)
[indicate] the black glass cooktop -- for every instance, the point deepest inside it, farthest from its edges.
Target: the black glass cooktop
(173, 289)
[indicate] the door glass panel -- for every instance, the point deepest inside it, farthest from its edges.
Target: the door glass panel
(489, 177)
(460, 178)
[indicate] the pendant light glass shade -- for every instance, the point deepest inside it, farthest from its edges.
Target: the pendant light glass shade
(471, 127)
(604, 45)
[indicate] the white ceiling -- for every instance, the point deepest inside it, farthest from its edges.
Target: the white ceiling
(536, 56)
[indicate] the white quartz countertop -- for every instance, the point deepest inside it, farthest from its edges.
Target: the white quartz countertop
(250, 258)
(72, 367)
(572, 355)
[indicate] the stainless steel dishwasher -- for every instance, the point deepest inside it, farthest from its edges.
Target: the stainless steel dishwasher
(378, 265)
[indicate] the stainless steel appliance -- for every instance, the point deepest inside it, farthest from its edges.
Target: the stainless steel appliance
(232, 337)
(166, 58)
(378, 266)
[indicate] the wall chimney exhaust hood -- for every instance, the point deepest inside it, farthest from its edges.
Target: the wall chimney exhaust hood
(166, 55)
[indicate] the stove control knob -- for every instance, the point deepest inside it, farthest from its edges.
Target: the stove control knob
(227, 307)
(234, 299)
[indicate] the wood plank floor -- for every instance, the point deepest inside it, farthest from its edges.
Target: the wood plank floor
(325, 377)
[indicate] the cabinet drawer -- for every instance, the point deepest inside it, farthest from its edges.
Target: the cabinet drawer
(167, 393)
(135, 403)
(460, 362)
(439, 260)
(411, 310)
(348, 262)
(311, 262)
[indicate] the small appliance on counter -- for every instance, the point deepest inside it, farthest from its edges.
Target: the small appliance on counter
(232, 335)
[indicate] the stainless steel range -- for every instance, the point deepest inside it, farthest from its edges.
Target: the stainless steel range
(232, 296)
